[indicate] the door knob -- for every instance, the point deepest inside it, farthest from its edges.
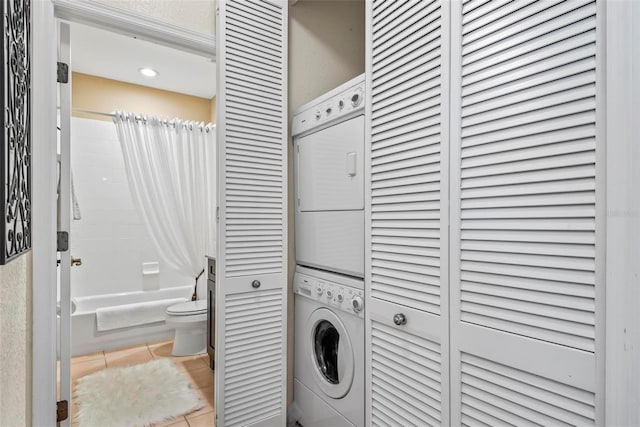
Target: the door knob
(76, 262)
(400, 319)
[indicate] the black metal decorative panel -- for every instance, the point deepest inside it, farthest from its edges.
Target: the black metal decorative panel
(15, 164)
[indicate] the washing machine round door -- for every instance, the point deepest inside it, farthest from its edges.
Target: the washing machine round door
(331, 353)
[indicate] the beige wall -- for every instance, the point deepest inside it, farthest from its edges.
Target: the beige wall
(195, 15)
(326, 48)
(15, 342)
(212, 109)
(103, 95)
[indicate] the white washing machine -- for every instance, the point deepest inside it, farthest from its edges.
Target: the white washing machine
(329, 349)
(328, 137)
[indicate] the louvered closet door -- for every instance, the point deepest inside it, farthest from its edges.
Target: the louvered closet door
(526, 264)
(406, 260)
(251, 288)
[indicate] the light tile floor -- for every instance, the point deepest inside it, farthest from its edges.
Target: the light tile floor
(196, 369)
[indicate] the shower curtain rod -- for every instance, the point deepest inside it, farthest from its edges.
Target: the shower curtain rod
(97, 113)
(112, 115)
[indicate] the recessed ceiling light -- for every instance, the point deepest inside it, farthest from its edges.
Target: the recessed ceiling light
(148, 72)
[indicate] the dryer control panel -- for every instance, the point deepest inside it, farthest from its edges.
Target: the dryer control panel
(345, 101)
(330, 293)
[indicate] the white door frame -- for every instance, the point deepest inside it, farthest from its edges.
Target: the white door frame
(622, 80)
(43, 54)
(43, 146)
(64, 221)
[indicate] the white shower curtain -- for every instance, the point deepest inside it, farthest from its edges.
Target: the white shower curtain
(170, 167)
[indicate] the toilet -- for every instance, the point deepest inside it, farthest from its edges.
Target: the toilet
(190, 322)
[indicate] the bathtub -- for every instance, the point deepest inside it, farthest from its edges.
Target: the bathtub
(85, 338)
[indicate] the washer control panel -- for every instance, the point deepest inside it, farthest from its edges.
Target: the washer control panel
(346, 100)
(342, 297)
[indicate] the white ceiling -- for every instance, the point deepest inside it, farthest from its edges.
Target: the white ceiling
(114, 56)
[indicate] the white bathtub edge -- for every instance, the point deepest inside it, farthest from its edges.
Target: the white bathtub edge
(85, 338)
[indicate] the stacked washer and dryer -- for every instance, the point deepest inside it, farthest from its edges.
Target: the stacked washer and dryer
(328, 137)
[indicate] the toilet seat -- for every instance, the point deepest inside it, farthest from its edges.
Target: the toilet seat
(189, 308)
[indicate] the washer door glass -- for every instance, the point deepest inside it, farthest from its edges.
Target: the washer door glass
(326, 342)
(331, 353)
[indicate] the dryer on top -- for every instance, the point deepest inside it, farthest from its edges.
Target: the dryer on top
(328, 136)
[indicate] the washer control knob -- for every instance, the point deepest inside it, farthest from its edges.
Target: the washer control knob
(340, 298)
(318, 115)
(357, 304)
(328, 110)
(329, 293)
(319, 290)
(341, 104)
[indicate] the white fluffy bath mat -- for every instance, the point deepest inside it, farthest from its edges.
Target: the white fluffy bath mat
(136, 395)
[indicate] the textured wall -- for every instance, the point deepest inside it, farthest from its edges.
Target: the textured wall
(326, 48)
(15, 342)
(196, 15)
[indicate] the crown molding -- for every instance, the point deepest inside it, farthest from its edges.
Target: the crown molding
(133, 24)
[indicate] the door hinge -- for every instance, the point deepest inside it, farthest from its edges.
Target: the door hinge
(63, 241)
(62, 412)
(63, 72)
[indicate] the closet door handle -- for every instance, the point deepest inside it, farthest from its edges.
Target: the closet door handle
(400, 319)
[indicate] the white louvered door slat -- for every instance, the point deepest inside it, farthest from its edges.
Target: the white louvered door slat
(525, 261)
(407, 215)
(251, 332)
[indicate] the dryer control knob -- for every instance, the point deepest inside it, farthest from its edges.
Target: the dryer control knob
(318, 115)
(329, 293)
(340, 298)
(357, 304)
(356, 98)
(319, 290)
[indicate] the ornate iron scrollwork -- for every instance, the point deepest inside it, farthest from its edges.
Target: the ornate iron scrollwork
(15, 165)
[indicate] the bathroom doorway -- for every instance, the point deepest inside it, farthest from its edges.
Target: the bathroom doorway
(111, 259)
